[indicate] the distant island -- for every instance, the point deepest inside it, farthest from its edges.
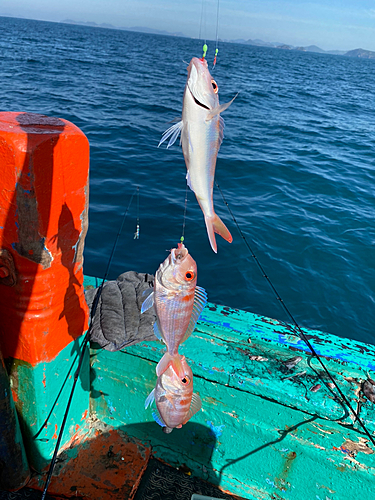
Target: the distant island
(140, 29)
(361, 53)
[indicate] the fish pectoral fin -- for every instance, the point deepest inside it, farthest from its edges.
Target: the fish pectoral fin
(200, 301)
(158, 419)
(195, 406)
(219, 109)
(149, 302)
(172, 133)
(170, 398)
(157, 331)
(150, 399)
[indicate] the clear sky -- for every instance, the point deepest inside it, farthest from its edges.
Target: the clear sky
(330, 24)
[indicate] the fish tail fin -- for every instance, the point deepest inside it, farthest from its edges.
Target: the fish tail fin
(216, 225)
(166, 361)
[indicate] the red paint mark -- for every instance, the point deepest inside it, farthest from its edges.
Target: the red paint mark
(15, 396)
(55, 435)
(315, 388)
(84, 416)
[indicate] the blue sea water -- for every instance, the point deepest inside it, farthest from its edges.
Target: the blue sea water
(296, 165)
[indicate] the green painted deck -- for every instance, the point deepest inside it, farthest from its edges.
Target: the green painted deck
(265, 431)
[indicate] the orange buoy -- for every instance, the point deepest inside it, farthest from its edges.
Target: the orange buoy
(43, 222)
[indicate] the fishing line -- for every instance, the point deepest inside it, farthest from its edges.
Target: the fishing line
(184, 222)
(297, 327)
(136, 234)
(203, 17)
(82, 353)
(217, 35)
(203, 14)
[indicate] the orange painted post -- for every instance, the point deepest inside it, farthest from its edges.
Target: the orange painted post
(43, 222)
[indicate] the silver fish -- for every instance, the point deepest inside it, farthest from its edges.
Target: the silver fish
(202, 131)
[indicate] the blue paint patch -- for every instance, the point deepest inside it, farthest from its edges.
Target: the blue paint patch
(271, 483)
(111, 408)
(216, 429)
(323, 350)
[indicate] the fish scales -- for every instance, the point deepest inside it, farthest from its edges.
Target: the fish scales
(175, 400)
(174, 313)
(178, 303)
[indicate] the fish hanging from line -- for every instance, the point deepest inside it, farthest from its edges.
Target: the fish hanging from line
(175, 400)
(178, 302)
(202, 131)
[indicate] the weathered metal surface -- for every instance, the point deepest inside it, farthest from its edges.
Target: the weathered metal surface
(270, 427)
(41, 393)
(14, 468)
(43, 222)
(102, 464)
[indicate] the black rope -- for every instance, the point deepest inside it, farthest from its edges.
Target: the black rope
(82, 354)
(297, 327)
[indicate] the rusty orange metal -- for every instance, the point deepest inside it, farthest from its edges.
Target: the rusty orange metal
(43, 222)
(109, 466)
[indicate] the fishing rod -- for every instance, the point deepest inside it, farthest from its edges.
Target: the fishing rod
(85, 341)
(344, 400)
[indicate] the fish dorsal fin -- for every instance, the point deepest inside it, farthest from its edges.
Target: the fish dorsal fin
(150, 399)
(200, 300)
(195, 406)
(172, 132)
(149, 302)
(157, 417)
(219, 109)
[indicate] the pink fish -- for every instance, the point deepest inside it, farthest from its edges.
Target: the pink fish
(202, 132)
(178, 302)
(175, 401)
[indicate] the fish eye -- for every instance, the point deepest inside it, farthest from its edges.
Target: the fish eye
(186, 380)
(189, 275)
(214, 86)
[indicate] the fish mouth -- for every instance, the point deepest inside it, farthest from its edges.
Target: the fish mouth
(178, 254)
(196, 100)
